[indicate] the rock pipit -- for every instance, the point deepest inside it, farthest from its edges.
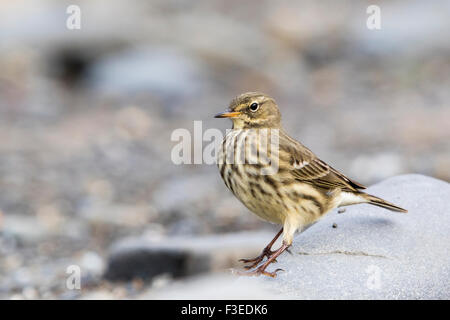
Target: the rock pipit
(278, 178)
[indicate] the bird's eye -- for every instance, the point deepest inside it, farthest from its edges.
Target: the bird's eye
(254, 106)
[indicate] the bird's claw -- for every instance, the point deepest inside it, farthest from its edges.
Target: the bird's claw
(255, 261)
(272, 274)
(258, 272)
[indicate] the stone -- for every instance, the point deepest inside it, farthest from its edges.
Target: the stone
(181, 256)
(160, 70)
(375, 253)
(210, 287)
(91, 262)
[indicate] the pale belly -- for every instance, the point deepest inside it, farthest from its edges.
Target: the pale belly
(272, 200)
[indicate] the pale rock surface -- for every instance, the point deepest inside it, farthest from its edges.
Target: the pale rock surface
(374, 253)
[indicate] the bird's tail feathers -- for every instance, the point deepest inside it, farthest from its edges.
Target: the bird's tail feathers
(382, 203)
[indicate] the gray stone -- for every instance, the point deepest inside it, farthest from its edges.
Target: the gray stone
(163, 71)
(210, 287)
(147, 258)
(374, 253)
(146, 263)
(403, 34)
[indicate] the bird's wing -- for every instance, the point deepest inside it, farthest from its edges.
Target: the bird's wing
(305, 166)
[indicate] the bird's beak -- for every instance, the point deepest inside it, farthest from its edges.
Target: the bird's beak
(227, 114)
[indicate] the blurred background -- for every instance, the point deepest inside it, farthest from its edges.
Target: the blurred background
(86, 118)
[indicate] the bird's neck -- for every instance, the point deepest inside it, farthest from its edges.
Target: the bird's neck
(239, 124)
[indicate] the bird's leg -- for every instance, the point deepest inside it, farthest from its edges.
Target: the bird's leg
(267, 252)
(262, 269)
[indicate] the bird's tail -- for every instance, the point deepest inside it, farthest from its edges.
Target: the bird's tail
(381, 203)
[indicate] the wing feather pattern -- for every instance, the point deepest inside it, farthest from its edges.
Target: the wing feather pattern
(305, 166)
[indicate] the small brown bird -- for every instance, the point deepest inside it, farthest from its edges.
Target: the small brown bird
(282, 182)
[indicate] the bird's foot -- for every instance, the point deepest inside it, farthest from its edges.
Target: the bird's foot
(255, 261)
(260, 271)
(271, 255)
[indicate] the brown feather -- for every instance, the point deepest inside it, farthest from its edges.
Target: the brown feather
(314, 170)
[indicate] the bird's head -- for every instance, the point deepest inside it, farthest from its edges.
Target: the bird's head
(252, 110)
